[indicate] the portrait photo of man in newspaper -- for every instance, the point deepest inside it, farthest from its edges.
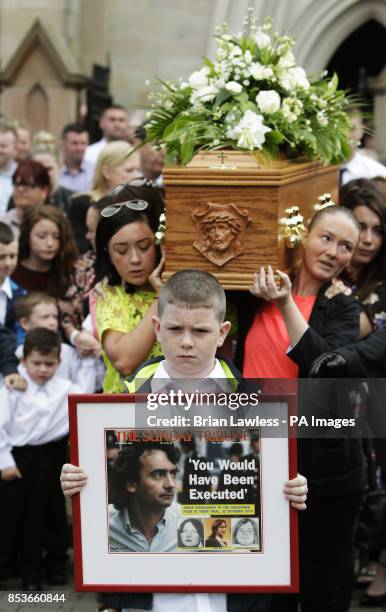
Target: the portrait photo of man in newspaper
(153, 489)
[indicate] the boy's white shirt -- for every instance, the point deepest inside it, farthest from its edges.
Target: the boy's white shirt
(81, 371)
(188, 602)
(33, 417)
(161, 374)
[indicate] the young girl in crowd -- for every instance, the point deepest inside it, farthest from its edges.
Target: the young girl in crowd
(368, 271)
(47, 251)
(128, 259)
(295, 324)
(47, 262)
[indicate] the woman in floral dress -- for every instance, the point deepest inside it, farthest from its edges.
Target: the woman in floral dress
(128, 262)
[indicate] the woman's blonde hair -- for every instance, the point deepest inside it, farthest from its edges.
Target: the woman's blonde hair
(113, 154)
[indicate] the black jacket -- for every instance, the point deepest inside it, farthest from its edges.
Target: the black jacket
(8, 359)
(333, 466)
(366, 358)
(333, 323)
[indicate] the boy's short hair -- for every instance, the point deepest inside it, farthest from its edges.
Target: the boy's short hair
(44, 341)
(25, 304)
(6, 234)
(193, 289)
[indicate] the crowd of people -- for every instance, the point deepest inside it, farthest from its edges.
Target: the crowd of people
(83, 306)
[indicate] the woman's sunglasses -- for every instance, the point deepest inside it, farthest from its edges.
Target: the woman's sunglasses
(112, 209)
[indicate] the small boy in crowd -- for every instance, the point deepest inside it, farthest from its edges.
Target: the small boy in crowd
(9, 290)
(33, 443)
(191, 327)
(41, 310)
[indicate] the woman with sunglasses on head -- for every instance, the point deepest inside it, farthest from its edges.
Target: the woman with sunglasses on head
(31, 187)
(288, 328)
(116, 165)
(129, 263)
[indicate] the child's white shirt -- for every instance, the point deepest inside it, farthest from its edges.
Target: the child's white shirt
(33, 417)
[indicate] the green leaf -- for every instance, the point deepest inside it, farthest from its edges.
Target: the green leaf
(250, 106)
(222, 97)
(265, 56)
(208, 63)
(275, 136)
(187, 148)
(242, 98)
(334, 83)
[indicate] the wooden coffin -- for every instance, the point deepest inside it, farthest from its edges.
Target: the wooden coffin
(225, 213)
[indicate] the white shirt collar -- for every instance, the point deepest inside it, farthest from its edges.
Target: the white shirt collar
(32, 386)
(6, 288)
(161, 374)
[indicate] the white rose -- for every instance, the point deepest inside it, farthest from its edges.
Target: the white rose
(287, 60)
(300, 77)
(236, 51)
(249, 132)
(198, 79)
(233, 87)
(260, 72)
(205, 94)
(268, 101)
(294, 78)
(262, 40)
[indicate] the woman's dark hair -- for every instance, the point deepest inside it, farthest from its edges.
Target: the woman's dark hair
(32, 171)
(154, 196)
(62, 264)
(215, 526)
(363, 192)
(126, 466)
(197, 525)
(244, 521)
(106, 229)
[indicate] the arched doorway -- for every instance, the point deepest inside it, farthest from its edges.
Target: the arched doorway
(361, 55)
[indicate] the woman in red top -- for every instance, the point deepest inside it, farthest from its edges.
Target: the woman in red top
(281, 323)
(294, 325)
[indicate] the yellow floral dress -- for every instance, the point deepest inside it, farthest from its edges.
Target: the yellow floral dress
(120, 311)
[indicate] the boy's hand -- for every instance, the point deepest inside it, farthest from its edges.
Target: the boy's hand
(15, 381)
(10, 473)
(295, 491)
(72, 479)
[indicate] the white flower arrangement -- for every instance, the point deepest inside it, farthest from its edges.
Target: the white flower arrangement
(253, 96)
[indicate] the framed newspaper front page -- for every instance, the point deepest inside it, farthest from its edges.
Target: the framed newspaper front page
(183, 499)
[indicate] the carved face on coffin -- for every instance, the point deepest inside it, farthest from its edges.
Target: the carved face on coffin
(220, 229)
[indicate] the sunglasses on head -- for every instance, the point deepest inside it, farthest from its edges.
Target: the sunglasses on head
(25, 183)
(112, 209)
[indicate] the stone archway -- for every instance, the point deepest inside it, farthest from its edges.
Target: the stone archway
(323, 27)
